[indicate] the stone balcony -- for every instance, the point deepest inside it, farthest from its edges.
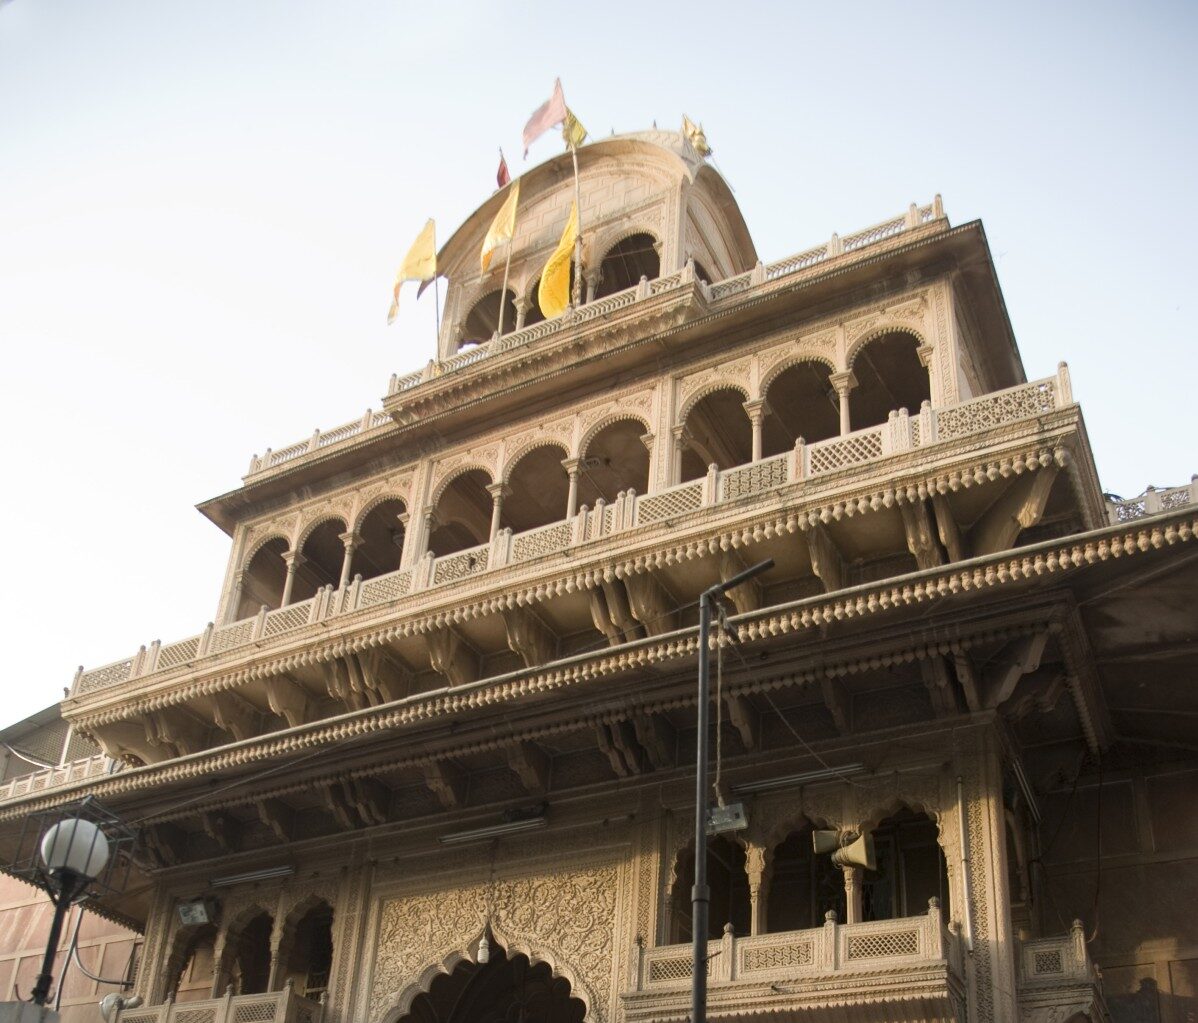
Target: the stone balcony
(909, 968)
(276, 1007)
(839, 462)
(677, 290)
(1058, 981)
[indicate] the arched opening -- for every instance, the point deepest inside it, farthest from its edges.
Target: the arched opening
(538, 488)
(321, 559)
(889, 376)
(701, 273)
(502, 990)
(249, 961)
(910, 868)
(463, 515)
(483, 319)
(803, 886)
(802, 403)
(263, 579)
(626, 263)
(190, 978)
(534, 314)
(615, 460)
(717, 429)
(729, 886)
(310, 956)
(381, 538)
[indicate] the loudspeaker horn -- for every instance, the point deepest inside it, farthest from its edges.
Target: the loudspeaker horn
(858, 853)
(825, 841)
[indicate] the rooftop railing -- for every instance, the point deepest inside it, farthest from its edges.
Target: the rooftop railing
(55, 777)
(274, 1007)
(916, 216)
(803, 463)
(1152, 502)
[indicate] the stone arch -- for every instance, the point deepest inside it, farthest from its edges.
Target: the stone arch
(613, 236)
(387, 495)
(718, 384)
(229, 939)
(308, 528)
(716, 429)
(891, 372)
(321, 555)
(786, 362)
(537, 485)
(728, 880)
(511, 461)
(289, 930)
(535, 952)
(881, 330)
(442, 485)
(801, 402)
(258, 543)
(480, 321)
(184, 943)
(603, 424)
(891, 806)
(261, 579)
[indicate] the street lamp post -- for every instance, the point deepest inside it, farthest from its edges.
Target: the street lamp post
(74, 853)
(701, 893)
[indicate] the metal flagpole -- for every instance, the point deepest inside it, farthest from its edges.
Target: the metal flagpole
(507, 266)
(576, 297)
(436, 292)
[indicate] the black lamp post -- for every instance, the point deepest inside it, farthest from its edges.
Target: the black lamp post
(70, 853)
(700, 893)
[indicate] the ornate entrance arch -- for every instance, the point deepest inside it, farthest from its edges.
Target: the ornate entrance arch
(502, 990)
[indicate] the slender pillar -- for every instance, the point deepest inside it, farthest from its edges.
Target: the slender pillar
(498, 492)
(429, 524)
(844, 382)
(682, 438)
(294, 559)
(758, 868)
(350, 540)
(757, 411)
(573, 467)
(852, 894)
(522, 307)
(592, 286)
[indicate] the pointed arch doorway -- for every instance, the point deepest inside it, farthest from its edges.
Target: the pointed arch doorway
(503, 990)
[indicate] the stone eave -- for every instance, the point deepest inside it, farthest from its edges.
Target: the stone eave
(1047, 563)
(675, 320)
(1010, 449)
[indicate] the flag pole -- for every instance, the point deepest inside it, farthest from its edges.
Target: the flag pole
(507, 268)
(577, 295)
(436, 294)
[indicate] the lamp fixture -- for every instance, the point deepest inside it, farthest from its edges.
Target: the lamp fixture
(265, 874)
(790, 780)
(492, 831)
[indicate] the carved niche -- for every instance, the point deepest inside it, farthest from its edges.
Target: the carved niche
(565, 920)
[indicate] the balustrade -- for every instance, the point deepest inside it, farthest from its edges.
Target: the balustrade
(806, 462)
(275, 1007)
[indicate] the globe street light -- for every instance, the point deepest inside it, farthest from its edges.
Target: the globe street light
(74, 853)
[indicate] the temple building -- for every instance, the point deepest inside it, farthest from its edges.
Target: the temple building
(432, 760)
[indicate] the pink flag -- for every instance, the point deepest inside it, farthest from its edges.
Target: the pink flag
(549, 113)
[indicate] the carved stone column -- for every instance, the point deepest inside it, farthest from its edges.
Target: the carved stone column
(498, 492)
(427, 527)
(757, 411)
(573, 467)
(682, 438)
(844, 382)
(593, 280)
(760, 871)
(852, 894)
(294, 560)
(522, 307)
(350, 540)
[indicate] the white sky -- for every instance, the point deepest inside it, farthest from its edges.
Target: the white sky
(202, 205)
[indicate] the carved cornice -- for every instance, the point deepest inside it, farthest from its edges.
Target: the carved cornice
(1058, 559)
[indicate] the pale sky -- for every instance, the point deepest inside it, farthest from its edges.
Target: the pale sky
(202, 205)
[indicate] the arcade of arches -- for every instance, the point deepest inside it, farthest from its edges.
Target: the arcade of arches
(792, 887)
(805, 400)
(303, 958)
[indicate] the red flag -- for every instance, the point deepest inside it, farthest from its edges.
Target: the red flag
(502, 177)
(549, 113)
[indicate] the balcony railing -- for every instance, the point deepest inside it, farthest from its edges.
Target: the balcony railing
(53, 777)
(1152, 502)
(276, 1007)
(916, 216)
(922, 956)
(1057, 977)
(804, 463)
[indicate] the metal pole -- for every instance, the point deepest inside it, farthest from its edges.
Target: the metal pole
(700, 892)
(41, 987)
(576, 291)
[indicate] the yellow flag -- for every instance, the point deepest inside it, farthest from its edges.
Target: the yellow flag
(420, 264)
(503, 227)
(553, 293)
(573, 133)
(696, 135)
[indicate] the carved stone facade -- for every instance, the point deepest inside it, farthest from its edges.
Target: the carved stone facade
(443, 724)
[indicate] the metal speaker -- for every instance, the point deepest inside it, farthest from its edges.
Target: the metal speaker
(825, 841)
(858, 853)
(721, 819)
(198, 911)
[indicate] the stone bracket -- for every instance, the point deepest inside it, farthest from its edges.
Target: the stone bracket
(528, 636)
(531, 765)
(447, 782)
(451, 656)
